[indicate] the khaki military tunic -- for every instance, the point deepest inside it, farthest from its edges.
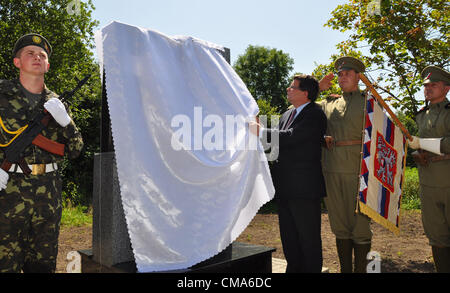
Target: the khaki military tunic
(341, 166)
(434, 122)
(30, 206)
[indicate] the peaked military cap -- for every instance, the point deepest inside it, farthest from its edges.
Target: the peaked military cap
(347, 63)
(34, 40)
(435, 74)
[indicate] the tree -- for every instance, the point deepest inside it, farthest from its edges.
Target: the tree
(71, 37)
(403, 37)
(266, 73)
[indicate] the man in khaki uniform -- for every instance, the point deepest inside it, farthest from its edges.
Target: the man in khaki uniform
(433, 160)
(341, 165)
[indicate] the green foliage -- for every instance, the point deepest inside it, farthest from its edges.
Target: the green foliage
(403, 39)
(267, 110)
(323, 69)
(76, 216)
(266, 72)
(411, 198)
(411, 126)
(71, 37)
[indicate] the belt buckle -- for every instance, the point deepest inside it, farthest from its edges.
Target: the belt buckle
(38, 169)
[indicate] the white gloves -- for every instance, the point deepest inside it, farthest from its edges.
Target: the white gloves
(432, 145)
(58, 111)
(3, 179)
(415, 143)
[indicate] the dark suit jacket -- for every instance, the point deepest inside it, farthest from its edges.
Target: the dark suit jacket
(298, 172)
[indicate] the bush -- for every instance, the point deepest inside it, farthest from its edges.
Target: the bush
(411, 198)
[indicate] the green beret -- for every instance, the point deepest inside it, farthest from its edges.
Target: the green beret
(32, 40)
(435, 74)
(347, 63)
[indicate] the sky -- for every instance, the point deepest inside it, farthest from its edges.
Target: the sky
(294, 26)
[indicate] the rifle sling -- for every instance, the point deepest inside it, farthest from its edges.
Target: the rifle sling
(49, 145)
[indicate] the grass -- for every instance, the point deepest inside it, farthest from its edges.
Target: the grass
(76, 216)
(411, 198)
(82, 215)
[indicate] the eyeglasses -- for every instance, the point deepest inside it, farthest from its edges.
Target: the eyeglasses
(295, 88)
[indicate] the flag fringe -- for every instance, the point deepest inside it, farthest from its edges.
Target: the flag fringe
(365, 209)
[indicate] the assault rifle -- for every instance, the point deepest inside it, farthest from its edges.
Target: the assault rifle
(31, 135)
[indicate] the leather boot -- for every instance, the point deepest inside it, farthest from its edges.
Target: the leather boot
(345, 249)
(441, 256)
(361, 251)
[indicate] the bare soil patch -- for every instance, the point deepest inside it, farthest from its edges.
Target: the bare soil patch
(407, 253)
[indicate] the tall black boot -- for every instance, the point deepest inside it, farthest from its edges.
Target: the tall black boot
(345, 249)
(441, 256)
(361, 251)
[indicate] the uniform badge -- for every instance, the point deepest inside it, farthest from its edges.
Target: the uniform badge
(36, 39)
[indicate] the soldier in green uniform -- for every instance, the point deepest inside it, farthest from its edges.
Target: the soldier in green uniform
(433, 160)
(30, 206)
(341, 165)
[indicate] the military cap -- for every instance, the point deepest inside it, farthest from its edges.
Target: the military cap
(435, 74)
(32, 40)
(347, 63)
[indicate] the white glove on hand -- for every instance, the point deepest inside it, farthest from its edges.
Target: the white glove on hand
(58, 111)
(415, 143)
(432, 145)
(3, 179)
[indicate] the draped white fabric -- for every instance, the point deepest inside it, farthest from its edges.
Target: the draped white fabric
(190, 183)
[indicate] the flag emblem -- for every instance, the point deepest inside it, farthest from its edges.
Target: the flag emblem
(382, 167)
(385, 162)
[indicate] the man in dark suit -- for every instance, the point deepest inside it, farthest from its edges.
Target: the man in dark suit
(297, 175)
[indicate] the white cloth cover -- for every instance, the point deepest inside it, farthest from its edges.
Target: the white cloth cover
(181, 206)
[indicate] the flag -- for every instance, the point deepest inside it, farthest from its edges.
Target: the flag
(382, 167)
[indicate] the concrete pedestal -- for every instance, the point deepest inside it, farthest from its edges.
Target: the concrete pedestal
(110, 240)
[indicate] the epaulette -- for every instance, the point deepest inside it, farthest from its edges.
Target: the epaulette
(334, 96)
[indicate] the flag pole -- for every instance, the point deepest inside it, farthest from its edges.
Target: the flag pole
(385, 106)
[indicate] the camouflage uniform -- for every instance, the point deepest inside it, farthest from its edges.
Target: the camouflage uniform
(30, 207)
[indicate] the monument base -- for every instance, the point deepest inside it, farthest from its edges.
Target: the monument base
(237, 258)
